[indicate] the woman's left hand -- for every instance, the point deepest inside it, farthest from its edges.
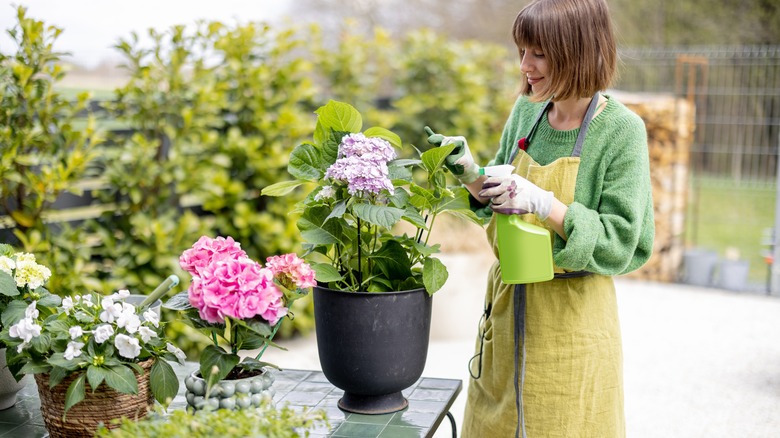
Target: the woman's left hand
(514, 194)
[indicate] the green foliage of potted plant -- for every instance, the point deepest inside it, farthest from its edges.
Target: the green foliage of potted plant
(360, 193)
(372, 306)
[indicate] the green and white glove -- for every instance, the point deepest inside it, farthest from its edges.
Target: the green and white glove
(460, 162)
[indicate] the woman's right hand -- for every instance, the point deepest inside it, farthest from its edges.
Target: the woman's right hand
(460, 162)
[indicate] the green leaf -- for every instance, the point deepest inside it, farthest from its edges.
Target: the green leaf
(8, 285)
(413, 217)
(56, 375)
(330, 148)
(381, 215)
(325, 272)
(75, 393)
(49, 300)
(214, 358)
(400, 198)
(163, 382)
(13, 313)
(434, 275)
(306, 163)
(6, 250)
(338, 210)
(35, 367)
(58, 360)
(96, 376)
(314, 228)
(282, 188)
(122, 379)
(336, 116)
(252, 364)
(422, 198)
(433, 158)
(179, 302)
(385, 134)
(392, 260)
(460, 201)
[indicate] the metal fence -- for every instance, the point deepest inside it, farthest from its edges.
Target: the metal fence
(736, 91)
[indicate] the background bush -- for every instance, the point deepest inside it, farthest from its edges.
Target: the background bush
(210, 114)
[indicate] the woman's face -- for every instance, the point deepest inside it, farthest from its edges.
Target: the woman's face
(534, 66)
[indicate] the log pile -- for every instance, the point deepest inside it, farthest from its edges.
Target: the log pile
(670, 123)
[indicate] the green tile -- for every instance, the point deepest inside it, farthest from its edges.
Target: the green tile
(402, 432)
(427, 406)
(414, 419)
(19, 414)
(440, 384)
(430, 395)
(358, 430)
(370, 419)
(27, 431)
(303, 398)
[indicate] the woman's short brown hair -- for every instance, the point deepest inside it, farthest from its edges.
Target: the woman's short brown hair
(578, 43)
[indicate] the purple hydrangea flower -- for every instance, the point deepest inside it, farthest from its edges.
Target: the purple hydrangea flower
(369, 148)
(361, 175)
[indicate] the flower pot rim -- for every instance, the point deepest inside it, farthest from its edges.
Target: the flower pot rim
(363, 293)
(196, 375)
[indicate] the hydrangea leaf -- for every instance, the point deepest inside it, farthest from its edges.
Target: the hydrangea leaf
(306, 163)
(392, 260)
(434, 275)
(433, 159)
(8, 285)
(379, 215)
(385, 134)
(336, 116)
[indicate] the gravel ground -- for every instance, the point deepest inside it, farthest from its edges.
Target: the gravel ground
(698, 362)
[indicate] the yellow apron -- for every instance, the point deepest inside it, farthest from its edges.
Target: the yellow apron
(556, 371)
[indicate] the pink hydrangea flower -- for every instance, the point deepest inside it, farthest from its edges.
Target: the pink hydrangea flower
(206, 250)
(291, 271)
(227, 283)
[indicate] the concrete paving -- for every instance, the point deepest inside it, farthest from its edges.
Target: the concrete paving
(698, 362)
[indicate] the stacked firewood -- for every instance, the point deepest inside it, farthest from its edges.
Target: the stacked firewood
(670, 124)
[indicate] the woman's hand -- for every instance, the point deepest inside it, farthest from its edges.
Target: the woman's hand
(460, 162)
(514, 194)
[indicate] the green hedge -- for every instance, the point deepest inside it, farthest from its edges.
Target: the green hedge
(215, 110)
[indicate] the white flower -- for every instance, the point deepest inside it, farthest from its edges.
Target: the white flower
(128, 347)
(73, 350)
(128, 319)
(107, 302)
(31, 311)
(86, 301)
(75, 332)
(152, 317)
(67, 304)
(103, 332)
(110, 313)
(146, 333)
(7, 265)
(121, 294)
(30, 274)
(24, 257)
(25, 329)
(180, 356)
(327, 192)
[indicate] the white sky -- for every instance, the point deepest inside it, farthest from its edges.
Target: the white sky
(92, 27)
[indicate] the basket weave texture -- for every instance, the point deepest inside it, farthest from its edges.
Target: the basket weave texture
(102, 406)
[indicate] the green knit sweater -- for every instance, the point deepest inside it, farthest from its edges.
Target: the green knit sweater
(610, 224)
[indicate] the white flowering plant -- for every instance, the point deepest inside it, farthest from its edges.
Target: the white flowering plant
(100, 338)
(22, 290)
(361, 191)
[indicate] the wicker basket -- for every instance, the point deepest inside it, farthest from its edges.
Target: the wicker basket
(102, 406)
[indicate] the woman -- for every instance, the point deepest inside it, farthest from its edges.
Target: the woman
(548, 358)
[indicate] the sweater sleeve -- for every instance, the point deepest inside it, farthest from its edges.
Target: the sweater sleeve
(617, 236)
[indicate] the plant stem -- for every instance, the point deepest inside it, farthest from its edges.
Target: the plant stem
(276, 328)
(360, 244)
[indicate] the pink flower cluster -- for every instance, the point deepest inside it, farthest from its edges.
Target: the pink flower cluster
(227, 283)
(291, 271)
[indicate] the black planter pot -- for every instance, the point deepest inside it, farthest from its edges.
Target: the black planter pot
(372, 345)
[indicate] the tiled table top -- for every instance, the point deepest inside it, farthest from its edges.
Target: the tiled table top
(429, 402)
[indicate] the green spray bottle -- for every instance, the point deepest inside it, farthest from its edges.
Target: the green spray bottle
(524, 250)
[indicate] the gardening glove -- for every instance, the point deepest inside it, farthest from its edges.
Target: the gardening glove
(459, 162)
(514, 194)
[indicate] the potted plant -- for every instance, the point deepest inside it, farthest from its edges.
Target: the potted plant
(21, 286)
(95, 358)
(239, 305)
(373, 302)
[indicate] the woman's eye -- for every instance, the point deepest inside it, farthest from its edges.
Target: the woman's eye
(539, 55)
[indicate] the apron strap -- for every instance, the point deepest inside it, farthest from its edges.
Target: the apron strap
(519, 314)
(584, 127)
